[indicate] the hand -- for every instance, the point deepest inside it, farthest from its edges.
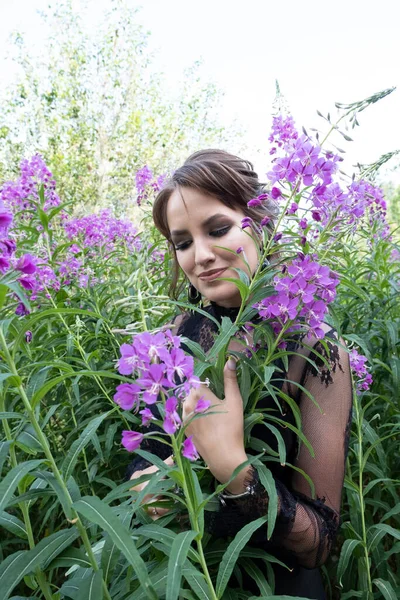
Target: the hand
(219, 437)
(154, 513)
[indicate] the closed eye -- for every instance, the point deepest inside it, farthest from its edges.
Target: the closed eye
(215, 233)
(220, 232)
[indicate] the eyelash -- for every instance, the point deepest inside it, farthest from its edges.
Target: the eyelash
(216, 233)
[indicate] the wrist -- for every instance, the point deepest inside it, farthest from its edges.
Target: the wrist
(223, 473)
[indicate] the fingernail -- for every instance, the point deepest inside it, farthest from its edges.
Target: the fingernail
(231, 364)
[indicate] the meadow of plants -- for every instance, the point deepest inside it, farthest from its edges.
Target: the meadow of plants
(85, 352)
(77, 296)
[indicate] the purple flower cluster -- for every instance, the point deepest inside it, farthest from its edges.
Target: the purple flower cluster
(302, 165)
(145, 181)
(358, 366)
(161, 367)
(102, 231)
(34, 173)
(283, 133)
(304, 290)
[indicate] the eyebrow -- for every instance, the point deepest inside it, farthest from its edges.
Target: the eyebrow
(177, 232)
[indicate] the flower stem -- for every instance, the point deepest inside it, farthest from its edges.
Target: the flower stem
(193, 518)
(358, 420)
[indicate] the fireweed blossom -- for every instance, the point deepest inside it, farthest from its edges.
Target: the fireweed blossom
(359, 367)
(301, 166)
(303, 291)
(163, 375)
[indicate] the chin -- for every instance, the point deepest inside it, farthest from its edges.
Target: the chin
(228, 295)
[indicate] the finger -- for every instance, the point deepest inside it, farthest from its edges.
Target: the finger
(231, 385)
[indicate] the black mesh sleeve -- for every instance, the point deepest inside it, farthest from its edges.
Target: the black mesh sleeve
(306, 526)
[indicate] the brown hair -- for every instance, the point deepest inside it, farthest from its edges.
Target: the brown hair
(219, 174)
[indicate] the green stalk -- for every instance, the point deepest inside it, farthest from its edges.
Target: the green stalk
(40, 576)
(360, 488)
(193, 518)
(46, 449)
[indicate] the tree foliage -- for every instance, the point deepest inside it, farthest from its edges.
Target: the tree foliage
(97, 111)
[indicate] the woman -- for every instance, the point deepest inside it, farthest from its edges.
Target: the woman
(200, 212)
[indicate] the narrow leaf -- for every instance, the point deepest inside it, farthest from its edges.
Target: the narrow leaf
(12, 479)
(78, 445)
(232, 553)
(179, 552)
(96, 511)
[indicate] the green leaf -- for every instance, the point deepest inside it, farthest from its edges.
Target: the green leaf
(13, 524)
(381, 530)
(232, 553)
(12, 479)
(59, 490)
(177, 558)
(4, 448)
(78, 445)
(17, 565)
(386, 589)
(3, 294)
(91, 587)
(197, 581)
(257, 576)
(110, 552)
(345, 555)
(29, 439)
(96, 511)
(268, 482)
(11, 415)
(71, 557)
(227, 331)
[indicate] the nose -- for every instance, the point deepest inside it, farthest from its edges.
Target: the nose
(204, 252)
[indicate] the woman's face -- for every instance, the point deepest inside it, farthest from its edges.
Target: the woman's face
(198, 224)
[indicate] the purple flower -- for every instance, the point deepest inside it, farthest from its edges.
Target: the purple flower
(239, 250)
(276, 193)
(254, 202)
(247, 222)
(147, 416)
(4, 264)
(265, 221)
(21, 310)
(149, 346)
(172, 419)
(129, 360)
(357, 363)
(27, 282)
(202, 405)
(131, 440)
(189, 449)
(28, 337)
(153, 381)
(303, 224)
(26, 264)
(178, 364)
(127, 396)
(6, 218)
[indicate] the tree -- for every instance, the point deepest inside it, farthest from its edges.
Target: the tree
(97, 111)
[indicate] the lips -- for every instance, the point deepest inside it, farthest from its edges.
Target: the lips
(210, 275)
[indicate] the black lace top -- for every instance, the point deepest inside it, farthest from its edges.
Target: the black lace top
(306, 526)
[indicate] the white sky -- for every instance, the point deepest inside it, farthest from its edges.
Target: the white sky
(320, 52)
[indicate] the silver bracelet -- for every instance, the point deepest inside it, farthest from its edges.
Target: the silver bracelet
(229, 496)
